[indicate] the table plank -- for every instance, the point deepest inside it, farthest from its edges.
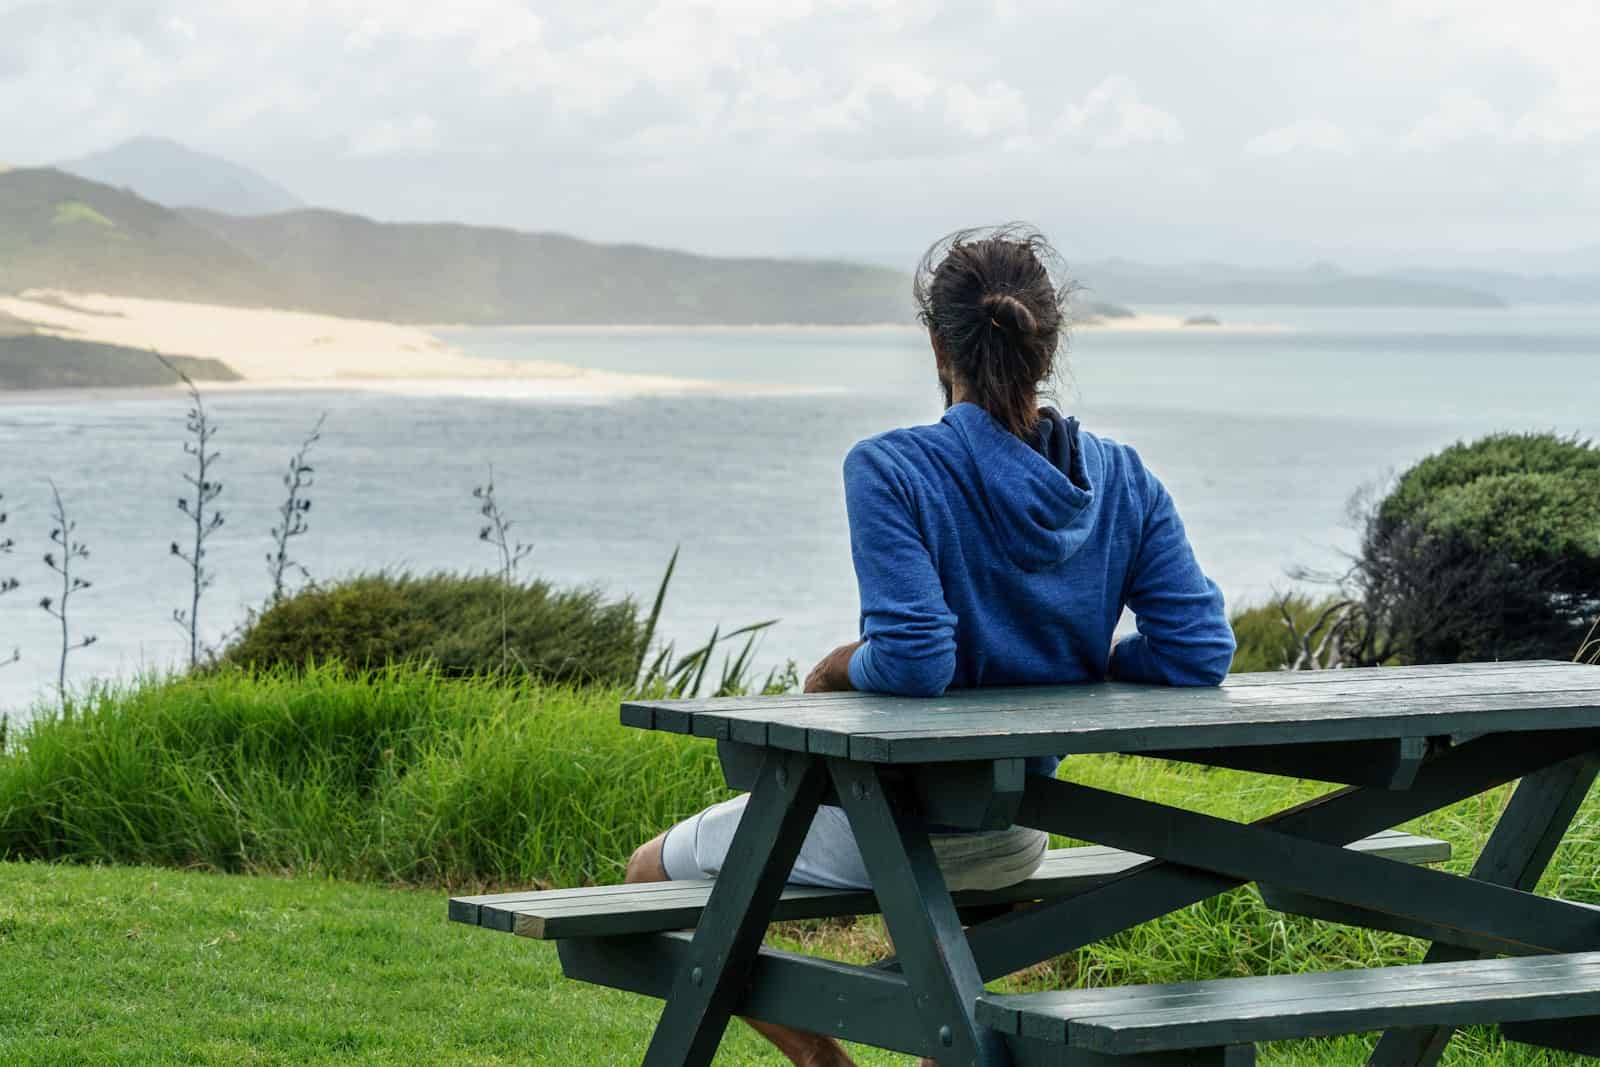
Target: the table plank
(1117, 717)
(1380, 676)
(1222, 725)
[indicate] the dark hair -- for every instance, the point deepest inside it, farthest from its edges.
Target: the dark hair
(997, 316)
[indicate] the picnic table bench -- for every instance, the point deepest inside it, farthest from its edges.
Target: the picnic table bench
(1404, 741)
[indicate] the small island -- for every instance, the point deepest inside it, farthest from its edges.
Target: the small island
(1202, 320)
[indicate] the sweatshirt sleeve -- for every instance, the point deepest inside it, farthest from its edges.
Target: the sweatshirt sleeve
(1184, 636)
(908, 631)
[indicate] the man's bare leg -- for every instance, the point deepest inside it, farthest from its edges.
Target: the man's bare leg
(802, 1049)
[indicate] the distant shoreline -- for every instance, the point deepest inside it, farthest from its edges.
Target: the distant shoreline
(270, 348)
(1135, 323)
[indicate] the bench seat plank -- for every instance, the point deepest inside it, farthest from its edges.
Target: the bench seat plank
(1238, 1011)
(606, 911)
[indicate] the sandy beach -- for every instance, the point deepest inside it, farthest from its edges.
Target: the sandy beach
(271, 348)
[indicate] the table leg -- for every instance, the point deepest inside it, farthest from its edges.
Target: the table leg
(921, 918)
(1516, 855)
(728, 936)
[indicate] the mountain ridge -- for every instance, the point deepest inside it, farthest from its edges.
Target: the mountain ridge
(173, 175)
(64, 232)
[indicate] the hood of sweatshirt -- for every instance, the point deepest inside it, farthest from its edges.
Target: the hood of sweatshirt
(1037, 492)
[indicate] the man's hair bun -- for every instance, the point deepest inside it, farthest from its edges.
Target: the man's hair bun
(995, 301)
(1009, 314)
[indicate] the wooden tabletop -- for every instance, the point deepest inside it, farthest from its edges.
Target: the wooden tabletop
(1249, 709)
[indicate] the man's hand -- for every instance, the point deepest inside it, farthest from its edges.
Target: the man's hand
(832, 673)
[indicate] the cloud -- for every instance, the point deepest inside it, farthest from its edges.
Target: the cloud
(1460, 116)
(417, 134)
(1303, 135)
(1114, 115)
(824, 126)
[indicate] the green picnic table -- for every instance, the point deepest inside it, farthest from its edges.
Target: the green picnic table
(1404, 741)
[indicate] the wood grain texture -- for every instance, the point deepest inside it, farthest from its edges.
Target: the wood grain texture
(1249, 710)
(1136, 1019)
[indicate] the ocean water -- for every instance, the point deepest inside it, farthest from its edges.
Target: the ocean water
(1262, 435)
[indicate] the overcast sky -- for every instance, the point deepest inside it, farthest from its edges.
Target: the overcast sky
(1278, 131)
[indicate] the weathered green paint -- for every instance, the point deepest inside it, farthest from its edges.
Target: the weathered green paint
(712, 978)
(615, 910)
(1232, 1011)
(1391, 763)
(1279, 709)
(920, 916)
(1516, 854)
(820, 996)
(1523, 921)
(1013, 942)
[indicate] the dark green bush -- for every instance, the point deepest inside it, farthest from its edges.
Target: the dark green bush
(1485, 551)
(451, 621)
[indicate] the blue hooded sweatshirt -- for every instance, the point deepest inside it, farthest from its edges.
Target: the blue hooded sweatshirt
(985, 560)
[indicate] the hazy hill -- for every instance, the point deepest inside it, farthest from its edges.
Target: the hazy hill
(1514, 288)
(442, 272)
(62, 231)
(57, 230)
(1321, 285)
(170, 174)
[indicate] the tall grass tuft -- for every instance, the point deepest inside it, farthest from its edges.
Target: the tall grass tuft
(675, 675)
(397, 775)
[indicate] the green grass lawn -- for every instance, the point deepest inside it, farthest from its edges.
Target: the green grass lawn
(133, 946)
(134, 965)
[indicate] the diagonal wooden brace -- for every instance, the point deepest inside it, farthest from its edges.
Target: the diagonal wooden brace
(713, 976)
(1518, 921)
(1008, 944)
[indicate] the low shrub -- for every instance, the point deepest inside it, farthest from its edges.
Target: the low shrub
(1487, 550)
(452, 622)
(399, 775)
(1265, 643)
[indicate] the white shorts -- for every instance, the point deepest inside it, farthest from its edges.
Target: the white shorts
(698, 846)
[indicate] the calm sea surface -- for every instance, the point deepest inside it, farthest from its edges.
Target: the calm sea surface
(1262, 436)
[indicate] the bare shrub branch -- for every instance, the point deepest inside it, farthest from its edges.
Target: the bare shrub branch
(60, 559)
(297, 483)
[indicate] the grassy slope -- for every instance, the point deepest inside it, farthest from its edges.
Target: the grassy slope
(64, 232)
